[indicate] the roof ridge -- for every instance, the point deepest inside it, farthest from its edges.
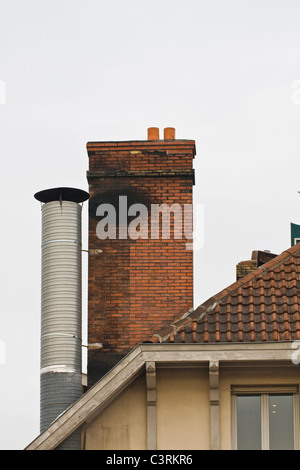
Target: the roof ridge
(209, 305)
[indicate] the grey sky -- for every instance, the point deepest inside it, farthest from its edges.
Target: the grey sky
(221, 72)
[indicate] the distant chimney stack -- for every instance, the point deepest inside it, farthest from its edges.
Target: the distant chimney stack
(258, 258)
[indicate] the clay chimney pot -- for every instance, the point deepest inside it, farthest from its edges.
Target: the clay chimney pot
(153, 133)
(169, 133)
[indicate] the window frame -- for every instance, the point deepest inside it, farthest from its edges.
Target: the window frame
(265, 391)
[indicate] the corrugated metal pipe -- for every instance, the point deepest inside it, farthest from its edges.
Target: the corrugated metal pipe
(61, 305)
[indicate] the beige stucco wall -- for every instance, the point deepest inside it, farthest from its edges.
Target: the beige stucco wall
(122, 425)
(183, 409)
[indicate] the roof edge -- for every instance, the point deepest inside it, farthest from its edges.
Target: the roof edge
(108, 387)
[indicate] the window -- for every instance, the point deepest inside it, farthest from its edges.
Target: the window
(265, 418)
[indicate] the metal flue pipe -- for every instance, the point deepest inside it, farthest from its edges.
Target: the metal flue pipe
(61, 305)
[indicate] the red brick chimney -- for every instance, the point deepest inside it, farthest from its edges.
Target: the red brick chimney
(142, 280)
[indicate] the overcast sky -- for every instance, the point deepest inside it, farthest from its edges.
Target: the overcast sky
(222, 72)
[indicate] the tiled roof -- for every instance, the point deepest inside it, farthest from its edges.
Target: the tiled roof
(262, 306)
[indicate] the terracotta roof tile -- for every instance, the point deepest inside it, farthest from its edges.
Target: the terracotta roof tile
(262, 306)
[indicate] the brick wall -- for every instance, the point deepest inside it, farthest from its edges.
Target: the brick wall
(136, 286)
(245, 267)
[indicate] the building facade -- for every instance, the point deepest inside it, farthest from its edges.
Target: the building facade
(162, 375)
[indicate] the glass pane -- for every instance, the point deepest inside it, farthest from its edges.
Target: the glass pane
(281, 422)
(248, 422)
